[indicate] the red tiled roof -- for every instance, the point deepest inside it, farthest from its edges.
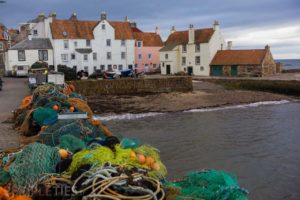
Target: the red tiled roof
(135, 29)
(76, 29)
(1, 33)
(149, 39)
(182, 37)
(239, 57)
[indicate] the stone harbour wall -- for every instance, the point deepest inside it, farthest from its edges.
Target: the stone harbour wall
(131, 86)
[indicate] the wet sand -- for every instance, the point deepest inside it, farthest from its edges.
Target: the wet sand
(204, 95)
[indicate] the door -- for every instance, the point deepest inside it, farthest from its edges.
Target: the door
(217, 70)
(168, 69)
(234, 70)
(190, 70)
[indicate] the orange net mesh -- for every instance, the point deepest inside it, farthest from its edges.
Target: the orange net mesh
(81, 105)
(25, 102)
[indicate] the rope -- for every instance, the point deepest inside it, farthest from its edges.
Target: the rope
(100, 180)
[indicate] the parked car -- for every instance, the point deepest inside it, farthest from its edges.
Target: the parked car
(1, 82)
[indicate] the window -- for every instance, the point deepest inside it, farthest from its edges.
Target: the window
(95, 68)
(21, 55)
(103, 26)
(166, 56)
(109, 67)
(115, 66)
(108, 42)
(102, 67)
(75, 67)
(140, 43)
(75, 44)
(183, 60)
(64, 57)
(35, 32)
(140, 56)
(43, 55)
(73, 57)
(149, 55)
(154, 65)
(197, 60)
(66, 44)
(88, 43)
(123, 43)
(94, 56)
(1, 45)
(123, 55)
(120, 67)
(85, 57)
(197, 48)
(136, 66)
(201, 68)
(108, 55)
(184, 48)
(86, 68)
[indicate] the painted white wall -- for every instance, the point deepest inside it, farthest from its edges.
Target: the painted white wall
(173, 60)
(40, 27)
(31, 57)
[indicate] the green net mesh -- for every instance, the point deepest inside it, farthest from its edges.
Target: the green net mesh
(4, 177)
(31, 163)
(45, 116)
(71, 143)
(209, 185)
(79, 128)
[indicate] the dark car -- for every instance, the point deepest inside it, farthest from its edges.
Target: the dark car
(1, 82)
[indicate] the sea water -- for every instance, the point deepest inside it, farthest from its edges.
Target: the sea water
(259, 143)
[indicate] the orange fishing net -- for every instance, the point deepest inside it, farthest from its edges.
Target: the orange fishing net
(25, 102)
(81, 105)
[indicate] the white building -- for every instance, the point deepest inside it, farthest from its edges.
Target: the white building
(191, 51)
(22, 55)
(91, 45)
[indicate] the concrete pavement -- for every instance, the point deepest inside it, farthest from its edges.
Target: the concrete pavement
(13, 91)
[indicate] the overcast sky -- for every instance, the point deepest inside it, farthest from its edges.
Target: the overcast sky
(248, 23)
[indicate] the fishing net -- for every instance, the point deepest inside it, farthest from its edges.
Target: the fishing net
(209, 185)
(81, 105)
(31, 163)
(25, 102)
(101, 155)
(79, 128)
(71, 143)
(45, 116)
(4, 177)
(76, 95)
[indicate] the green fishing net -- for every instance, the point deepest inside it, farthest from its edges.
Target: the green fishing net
(71, 143)
(4, 177)
(209, 185)
(45, 116)
(31, 163)
(101, 155)
(80, 128)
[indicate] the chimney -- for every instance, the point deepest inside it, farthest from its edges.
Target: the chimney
(191, 34)
(229, 45)
(29, 36)
(73, 16)
(157, 30)
(126, 19)
(103, 16)
(173, 30)
(267, 47)
(216, 25)
(41, 17)
(133, 24)
(52, 15)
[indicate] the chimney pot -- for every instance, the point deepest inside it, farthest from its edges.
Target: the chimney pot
(229, 45)
(173, 30)
(267, 47)
(191, 26)
(216, 25)
(73, 16)
(133, 25)
(41, 17)
(126, 19)
(157, 30)
(103, 16)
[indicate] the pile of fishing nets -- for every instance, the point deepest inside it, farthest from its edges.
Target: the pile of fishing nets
(81, 159)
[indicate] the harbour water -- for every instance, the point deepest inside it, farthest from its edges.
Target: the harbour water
(259, 143)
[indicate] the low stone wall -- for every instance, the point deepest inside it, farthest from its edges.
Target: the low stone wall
(132, 86)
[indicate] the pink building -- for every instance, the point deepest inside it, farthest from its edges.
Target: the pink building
(147, 46)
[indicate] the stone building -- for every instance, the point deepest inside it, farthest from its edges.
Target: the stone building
(243, 63)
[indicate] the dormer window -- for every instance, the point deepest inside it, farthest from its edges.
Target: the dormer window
(88, 43)
(139, 43)
(65, 34)
(35, 32)
(184, 48)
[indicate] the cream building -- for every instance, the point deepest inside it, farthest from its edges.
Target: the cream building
(191, 51)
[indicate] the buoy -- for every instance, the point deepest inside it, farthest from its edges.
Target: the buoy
(132, 154)
(4, 195)
(72, 109)
(63, 153)
(141, 159)
(55, 107)
(150, 161)
(156, 167)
